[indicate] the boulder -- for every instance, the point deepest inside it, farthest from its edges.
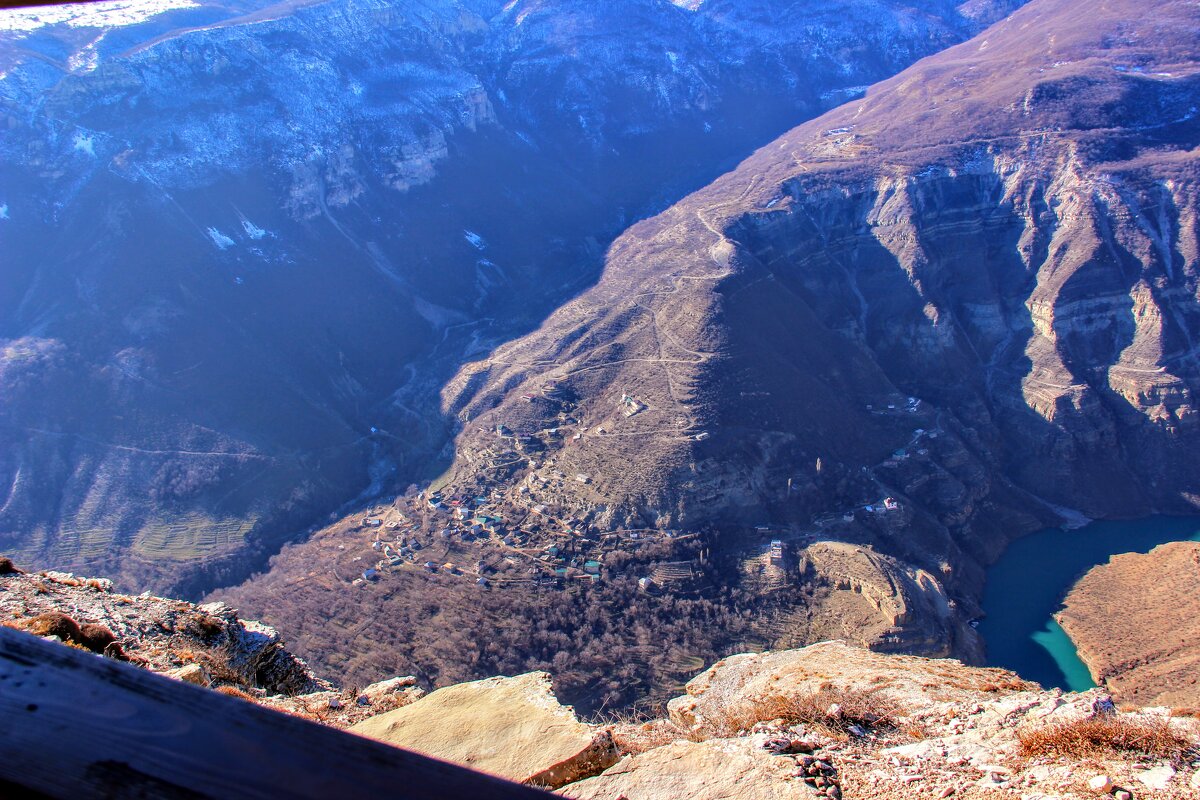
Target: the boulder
(383, 690)
(191, 673)
(718, 769)
(511, 727)
(719, 691)
(1157, 778)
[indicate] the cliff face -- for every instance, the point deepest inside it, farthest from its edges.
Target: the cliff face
(814, 722)
(246, 243)
(973, 292)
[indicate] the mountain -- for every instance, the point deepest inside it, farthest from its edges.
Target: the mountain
(814, 398)
(247, 243)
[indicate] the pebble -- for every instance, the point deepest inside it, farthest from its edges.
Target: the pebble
(1158, 777)
(1100, 783)
(1121, 794)
(946, 792)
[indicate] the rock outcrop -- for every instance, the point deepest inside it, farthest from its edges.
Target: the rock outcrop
(207, 645)
(832, 720)
(1136, 624)
(511, 727)
(878, 600)
(748, 679)
(718, 769)
(827, 721)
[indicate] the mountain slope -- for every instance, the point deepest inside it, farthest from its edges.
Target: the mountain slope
(1006, 230)
(246, 243)
(890, 340)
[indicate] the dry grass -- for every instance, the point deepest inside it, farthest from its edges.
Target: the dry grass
(203, 626)
(867, 708)
(233, 691)
(638, 730)
(1101, 736)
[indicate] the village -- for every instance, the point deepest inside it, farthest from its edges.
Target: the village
(506, 529)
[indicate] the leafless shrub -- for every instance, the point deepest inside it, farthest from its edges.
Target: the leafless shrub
(1105, 735)
(829, 708)
(233, 691)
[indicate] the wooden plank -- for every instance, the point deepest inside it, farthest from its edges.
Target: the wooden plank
(77, 725)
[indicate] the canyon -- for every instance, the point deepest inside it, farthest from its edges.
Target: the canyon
(460, 342)
(957, 310)
(247, 243)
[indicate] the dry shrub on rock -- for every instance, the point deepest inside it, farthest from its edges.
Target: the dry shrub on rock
(1105, 735)
(829, 708)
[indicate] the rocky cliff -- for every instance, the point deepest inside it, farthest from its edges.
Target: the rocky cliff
(971, 294)
(207, 645)
(829, 720)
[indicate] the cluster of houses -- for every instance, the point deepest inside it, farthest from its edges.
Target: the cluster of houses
(491, 540)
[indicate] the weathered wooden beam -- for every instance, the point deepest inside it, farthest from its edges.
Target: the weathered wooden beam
(77, 725)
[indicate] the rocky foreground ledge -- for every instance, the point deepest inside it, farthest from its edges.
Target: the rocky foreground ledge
(830, 720)
(208, 645)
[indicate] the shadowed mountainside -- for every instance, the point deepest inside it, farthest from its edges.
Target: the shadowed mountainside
(247, 243)
(972, 292)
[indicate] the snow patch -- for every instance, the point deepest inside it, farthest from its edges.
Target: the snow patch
(87, 59)
(85, 144)
(89, 15)
(253, 231)
(475, 239)
(222, 241)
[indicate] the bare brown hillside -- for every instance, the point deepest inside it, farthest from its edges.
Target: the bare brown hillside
(1136, 624)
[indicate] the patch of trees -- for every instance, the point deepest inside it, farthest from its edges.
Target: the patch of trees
(607, 645)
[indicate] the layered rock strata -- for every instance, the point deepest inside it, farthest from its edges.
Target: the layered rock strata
(1136, 624)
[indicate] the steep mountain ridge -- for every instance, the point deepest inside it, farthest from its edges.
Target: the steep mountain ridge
(248, 242)
(972, 293)
(860, 242)
(814, 399)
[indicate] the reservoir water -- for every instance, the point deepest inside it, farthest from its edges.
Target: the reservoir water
(1027, 585)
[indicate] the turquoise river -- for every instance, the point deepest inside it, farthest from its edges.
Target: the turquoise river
(1027, 585)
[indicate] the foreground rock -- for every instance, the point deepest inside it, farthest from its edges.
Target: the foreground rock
(832, 720)
(720, 769)
(1136, 624)
(726, 692)
(511, 727)
(207, 645)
